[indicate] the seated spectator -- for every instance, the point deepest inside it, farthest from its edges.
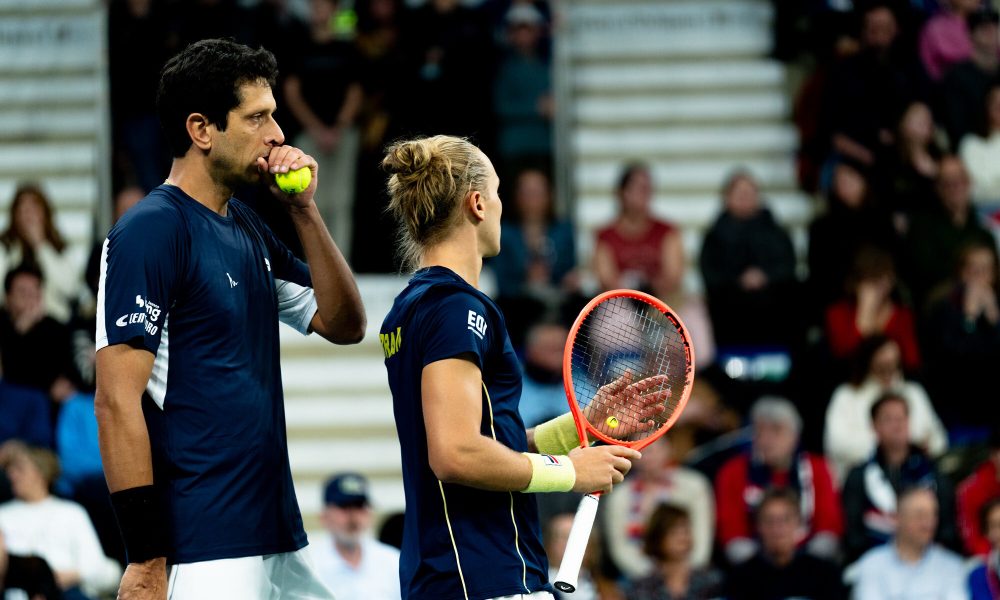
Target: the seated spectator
(543, 395)
(29, 574)
(911, 566)
(872, 487)
(593, 584)
(974, 492)
(984, 580)
(774, 460)
(848, 437)
(668, 542)
(779, 569)
(936, 236)
(872, 307)
(966, 84)
(748, 265)
(522, 91)
(323, 92)
(963, 334)
(35, 349)
(851, 222)
(981, 153)
(536, 268)
(869, 90)
(32, 238)
(36, 523)
(945, 39)
(908, 172)
(76, 443)
(26, 415)
(654, 481)
(348, 560)
(638, 250)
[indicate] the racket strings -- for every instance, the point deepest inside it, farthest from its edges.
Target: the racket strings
(627, 338)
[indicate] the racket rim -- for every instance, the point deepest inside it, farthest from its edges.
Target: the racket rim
(583, 426)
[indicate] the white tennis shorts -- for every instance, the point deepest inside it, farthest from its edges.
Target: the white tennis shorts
(287, 576)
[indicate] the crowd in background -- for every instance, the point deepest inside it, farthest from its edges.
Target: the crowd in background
(843, 428)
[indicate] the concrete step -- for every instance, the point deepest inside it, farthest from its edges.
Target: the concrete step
(678, 78)
(32, 92)
(57, 42)
(338, 412)
(735, 141)
(317, 457)
(38, 160)
(737, 108)
(65, 193)
(61, 124)
(324, 377)
(29, 6)
(599, 176)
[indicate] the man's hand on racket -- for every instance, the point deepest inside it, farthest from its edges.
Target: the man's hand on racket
(598, 468)
(632, 405)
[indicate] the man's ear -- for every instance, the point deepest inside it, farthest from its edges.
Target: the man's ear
(476, 205)
(198, 129)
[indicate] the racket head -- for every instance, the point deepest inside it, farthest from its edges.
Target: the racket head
(621, 334)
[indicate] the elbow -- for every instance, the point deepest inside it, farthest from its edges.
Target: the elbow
(447, 466)
(352, 332)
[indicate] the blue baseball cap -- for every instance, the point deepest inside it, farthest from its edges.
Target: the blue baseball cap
(346, 490)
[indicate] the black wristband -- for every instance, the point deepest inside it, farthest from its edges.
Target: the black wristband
(142, 522)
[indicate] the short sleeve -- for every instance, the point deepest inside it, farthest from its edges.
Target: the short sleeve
(293, 283)
(459, 324)
(140, 264)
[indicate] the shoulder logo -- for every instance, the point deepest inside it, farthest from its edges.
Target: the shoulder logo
(267, 264)
(232, 282)
(477, 324)
(391, 342)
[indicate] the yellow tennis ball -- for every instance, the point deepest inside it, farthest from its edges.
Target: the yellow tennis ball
(294, 182)
(612, 422)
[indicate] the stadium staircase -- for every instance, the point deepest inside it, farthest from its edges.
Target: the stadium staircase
(682, 84)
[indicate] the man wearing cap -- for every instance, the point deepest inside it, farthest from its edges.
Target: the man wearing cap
(349, 561)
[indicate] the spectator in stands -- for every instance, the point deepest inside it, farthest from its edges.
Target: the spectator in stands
(873, 307)
(911, 565)
(543, 396)
(974, 492)
(76, 443)
(779, 569)
(910, 168)
(125, 199)
(748, 265)
(669, 542)
(36, 523)
(348, 560)
(35, 349)
(872, 487)
(638, 250)
(984, 580)
(536, 269)
(963, 334)
(26, 415)
(656, 480)
(981, 152)
(522, 92)
(868, 91)
(323, 91)
(29, 574)
(937, 235)
(945, 40)
(774, 460)
(32, 237)
(966, 84)
(852, 220)
(848, 437)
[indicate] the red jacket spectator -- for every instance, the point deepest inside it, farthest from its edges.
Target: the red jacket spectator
(973, 493)
(844, 336)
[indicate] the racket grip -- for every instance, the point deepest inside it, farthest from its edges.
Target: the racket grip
(576, 545)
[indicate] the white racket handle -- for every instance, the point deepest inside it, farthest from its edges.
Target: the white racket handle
(576, 545)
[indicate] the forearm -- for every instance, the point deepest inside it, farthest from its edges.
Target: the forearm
(352, 105)
(297, 104)
(338, 300)
(483, 463)
(124, 442)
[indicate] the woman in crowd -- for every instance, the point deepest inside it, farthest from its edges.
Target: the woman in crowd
(984, 580)
(981, 153)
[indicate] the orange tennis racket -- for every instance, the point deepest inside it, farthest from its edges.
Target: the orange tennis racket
(628, 368)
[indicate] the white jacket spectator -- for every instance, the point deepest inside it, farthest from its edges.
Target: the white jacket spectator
(981, 155)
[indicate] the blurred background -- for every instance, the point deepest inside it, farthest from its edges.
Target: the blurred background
(813, 185)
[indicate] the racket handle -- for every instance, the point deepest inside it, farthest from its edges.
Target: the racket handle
(576, 545)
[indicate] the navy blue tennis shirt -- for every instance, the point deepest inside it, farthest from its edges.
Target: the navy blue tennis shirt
(204, 293)
(459, 542)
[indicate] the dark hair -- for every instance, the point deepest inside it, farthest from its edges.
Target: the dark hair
(664, 518)
(913, 490)
(984, 512)
(22, 269)
(206, 78)
(779, 494)
(515, 210)
(735, 176)
(630, 170)
(983, 16)
(886, 398)
(864, 355)
(21, 195)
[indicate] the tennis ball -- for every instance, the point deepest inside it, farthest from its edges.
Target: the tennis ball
(612, 422)
(294, 182)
